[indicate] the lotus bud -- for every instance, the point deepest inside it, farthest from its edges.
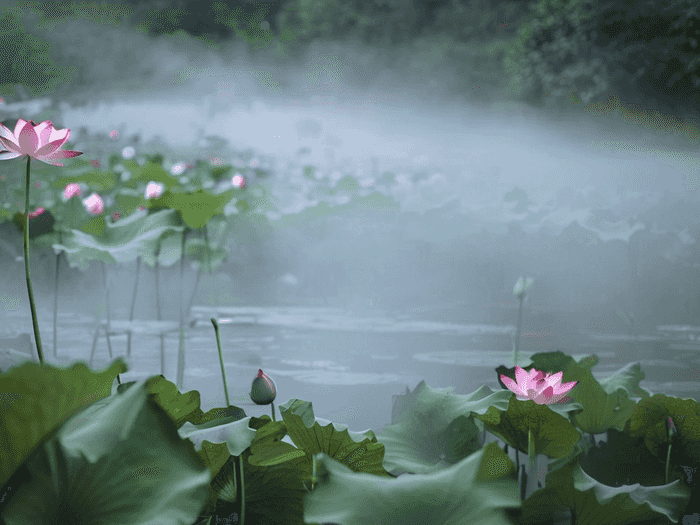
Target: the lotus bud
(671, 428)
(522, 286)
(263, 391)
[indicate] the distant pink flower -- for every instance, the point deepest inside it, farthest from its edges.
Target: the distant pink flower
(535, 385)
(95, 163)
(40, 141)
(115, 216)
(94, 204)
(114, 134)
(154, 190)
(71, 189)
(36, 212)
(180, 167)
(238, 181)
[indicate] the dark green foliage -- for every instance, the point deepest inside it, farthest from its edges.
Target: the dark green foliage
(375, 22)
(582, 51)
(25, 60)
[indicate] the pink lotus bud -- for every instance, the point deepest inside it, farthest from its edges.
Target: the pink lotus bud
(72, 189)
(94, 204)
(36, 212)
(238, 181)
(153, 190)
(263, 391)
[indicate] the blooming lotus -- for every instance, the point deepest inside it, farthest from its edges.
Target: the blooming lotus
(40, 141)
(540, 388)
(94, 204)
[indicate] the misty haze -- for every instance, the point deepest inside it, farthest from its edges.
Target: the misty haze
(348, 310)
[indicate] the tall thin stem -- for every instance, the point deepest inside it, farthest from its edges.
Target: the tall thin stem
(133, 305)
(107, 307)
(55, 297)
(162, 335)
(35, 320)
(181, 351)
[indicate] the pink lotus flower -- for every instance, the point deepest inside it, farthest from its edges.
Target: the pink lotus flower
(40, 141)
(94, 204)
(154, 190)
(36, 212)
(71, 189)
(540, 388)
(238, 181)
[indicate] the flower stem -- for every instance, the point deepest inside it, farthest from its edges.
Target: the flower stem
(162, 335)
(181, 351)
(221, 359)
(133, 305)
(532, 455)
(55, 297)
(35, 321)
(516, 346)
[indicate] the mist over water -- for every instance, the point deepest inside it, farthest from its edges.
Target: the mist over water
(343, 108)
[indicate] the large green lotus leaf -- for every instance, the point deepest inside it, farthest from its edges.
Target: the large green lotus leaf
(358, 450)
(36, 399)
(433, 428)
(477, 490)
(568, 486)
(626, 378)
(649, 421)
(197, 207)
(119, 461)
(123, 241)
(552, 432)
(141, 175)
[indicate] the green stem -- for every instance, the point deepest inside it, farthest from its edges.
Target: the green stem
(35, 321)
(221, 359)
(133, 306)
(532, 455)
(668, 461)
(237, 463)
(162, 335)
(181, 351)
(108, 308)
(516, 347)
(240, 488)
(55, 297)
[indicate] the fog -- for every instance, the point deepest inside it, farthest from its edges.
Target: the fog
(344, 109)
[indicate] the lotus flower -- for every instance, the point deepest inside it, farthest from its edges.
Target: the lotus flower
(36, 212)
(540, 388)
(40, 141)
(71, 189)
(153, 190)
(94, 204)
(238, 181)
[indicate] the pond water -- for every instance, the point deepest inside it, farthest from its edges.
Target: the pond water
(350, 363)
